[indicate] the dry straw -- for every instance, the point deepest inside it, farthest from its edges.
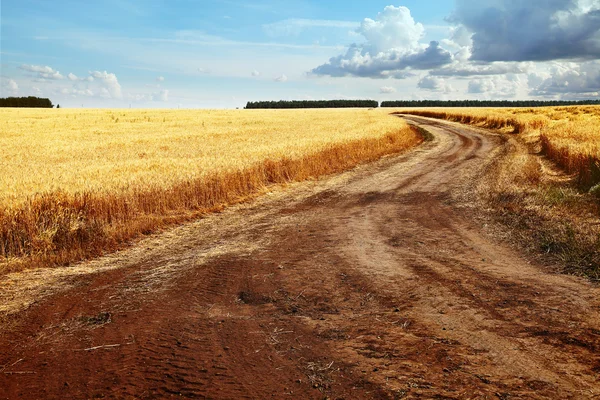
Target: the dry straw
(78, 183)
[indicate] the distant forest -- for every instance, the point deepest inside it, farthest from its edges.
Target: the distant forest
(31, 102)
(313, 104)
(414, 103)
(486, 103)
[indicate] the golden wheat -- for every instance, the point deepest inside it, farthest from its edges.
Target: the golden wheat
(74, 183)
(568, 135)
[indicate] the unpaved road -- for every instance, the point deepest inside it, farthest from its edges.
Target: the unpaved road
(377, 283)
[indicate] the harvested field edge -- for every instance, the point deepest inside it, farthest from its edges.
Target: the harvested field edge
(56, 228)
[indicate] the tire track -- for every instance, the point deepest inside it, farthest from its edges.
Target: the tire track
(377, 283)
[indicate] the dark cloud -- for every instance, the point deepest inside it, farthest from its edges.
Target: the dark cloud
(532, 30)
(359, 62)
(432, 57)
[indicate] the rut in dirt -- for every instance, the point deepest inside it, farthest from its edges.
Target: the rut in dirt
(378, 283)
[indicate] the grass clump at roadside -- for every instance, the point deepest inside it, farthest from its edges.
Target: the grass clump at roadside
(544, 210)
(77, 183)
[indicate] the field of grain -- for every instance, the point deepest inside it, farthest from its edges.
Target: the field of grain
(570, 136)
(74, 183)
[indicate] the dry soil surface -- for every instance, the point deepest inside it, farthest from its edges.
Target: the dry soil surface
(376, 283)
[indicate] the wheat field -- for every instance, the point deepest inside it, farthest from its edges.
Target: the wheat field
(76, 183)
(570, 136)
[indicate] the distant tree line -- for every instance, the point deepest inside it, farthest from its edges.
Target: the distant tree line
(31, 102)
(486, 103)
(313, 104)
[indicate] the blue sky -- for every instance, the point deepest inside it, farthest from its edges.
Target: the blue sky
(222, 53)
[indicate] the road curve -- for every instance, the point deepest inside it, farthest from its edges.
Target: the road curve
(377, 283)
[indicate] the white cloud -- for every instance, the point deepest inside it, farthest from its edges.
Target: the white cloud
(435, 84)
(496, 87)
(281, 78)
(295, 26)
(160, 96)
(465, 69)
(536, 78)
(430, 83)
(481, 86)
(75, 92)
(255, 73)
(160, 79)
(394, 28)
(111, 87)
(387, 89)
(43, 72)
(72, 77)
(163, 95)
(392, 45)
(10, 87)
(203, 70)
(567, 79)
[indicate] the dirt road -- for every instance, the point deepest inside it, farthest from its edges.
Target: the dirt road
(377, 283)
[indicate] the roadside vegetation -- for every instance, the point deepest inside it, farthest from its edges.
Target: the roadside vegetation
(547, 186)
(80, 182)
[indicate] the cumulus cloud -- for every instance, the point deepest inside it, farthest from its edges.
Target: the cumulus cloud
(481, 86)
(567, 79)
(536, 78)
(76, 91)
(73, 77)
(42, 72)
(430, 83)
(392, 45)
(111, 87)
(495, 87)
(387, 90)
(9, 87)
(435, 84)
(533, 30)
(255, 73)
(281, 78)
